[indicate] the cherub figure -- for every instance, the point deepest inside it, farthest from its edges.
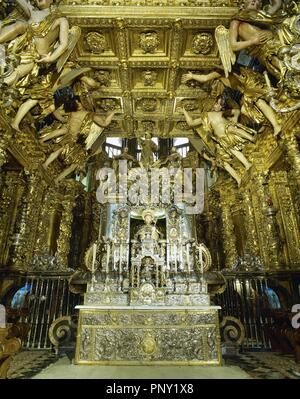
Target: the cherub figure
(42, 93)
(46, 38)
(76, 138)
(229, 135)
(244, 33)
(254, 89)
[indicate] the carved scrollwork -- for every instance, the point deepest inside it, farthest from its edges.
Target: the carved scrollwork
(62, 331)
(204, 261)
(232, 330)
(182, 125)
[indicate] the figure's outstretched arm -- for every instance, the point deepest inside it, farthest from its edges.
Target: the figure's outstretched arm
(190, 121)
(90, 82)
(104, 122)
(200, 78)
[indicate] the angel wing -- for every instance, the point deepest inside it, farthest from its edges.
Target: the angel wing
(94, 134)
(74, 35)
(227, 55)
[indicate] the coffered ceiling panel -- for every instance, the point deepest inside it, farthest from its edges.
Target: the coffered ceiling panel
(139, 57)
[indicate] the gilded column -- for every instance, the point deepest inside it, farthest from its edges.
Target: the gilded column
(29, 217)
(44, 241)
(252, 243)
(5, 135)
(65, 229)
(287, 215)
(12, 192)
(16, 250)
(291, 148)
(229, 238)
(265, 218)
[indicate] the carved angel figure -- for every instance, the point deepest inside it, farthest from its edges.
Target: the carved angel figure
(76, 139)
(148, 148)
(256, 93)
(45, 38)
(229, 135)
(245, 32)
(42, 92)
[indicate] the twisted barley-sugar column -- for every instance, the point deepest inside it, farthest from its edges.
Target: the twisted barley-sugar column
(17, 236)
(229, 239)
(29, 217)
(65, 229)
(11, 195)
(265, 217)
(35, 189)
(291, 148)
(287, 217)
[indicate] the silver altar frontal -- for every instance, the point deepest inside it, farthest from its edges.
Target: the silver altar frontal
(147, 301)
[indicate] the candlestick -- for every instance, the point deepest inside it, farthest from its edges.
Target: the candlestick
(114, 255)
(94, 257)
(188, 256)
(175, 257)
(267, 79)
(201, 260)
(107, 257)
(120, 259)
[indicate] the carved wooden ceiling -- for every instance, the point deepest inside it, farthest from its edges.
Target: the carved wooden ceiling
(139, 55)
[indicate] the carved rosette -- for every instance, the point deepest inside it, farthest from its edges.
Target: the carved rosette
(202, 43)
(147, 104)
(149, 42)
(96, 42)
(150, 78)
